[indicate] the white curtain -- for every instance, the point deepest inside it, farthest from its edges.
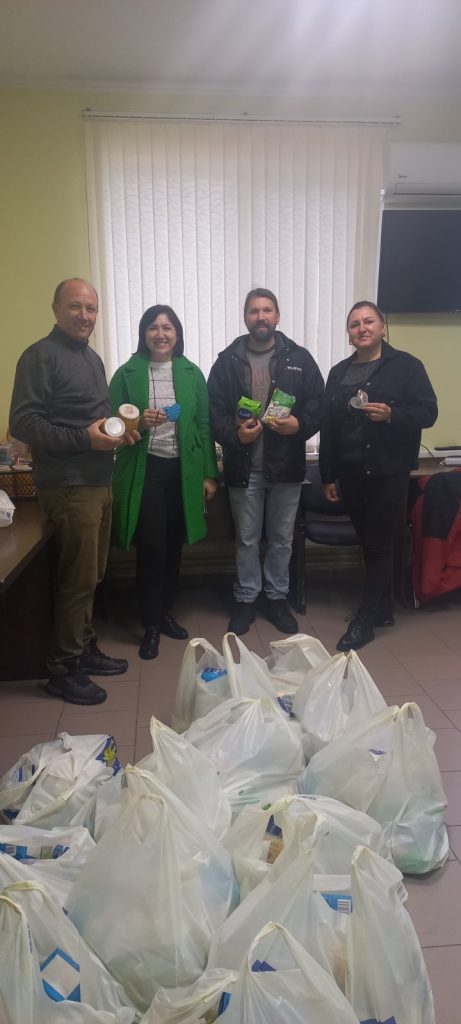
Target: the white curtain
(194, 214)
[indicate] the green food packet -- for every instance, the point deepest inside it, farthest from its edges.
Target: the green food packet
(251, 405)
(280, 406)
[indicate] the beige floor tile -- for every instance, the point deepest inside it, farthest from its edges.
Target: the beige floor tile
(119, 724)
(416, 642)
(13, 747)
(445, 692)
(158, 704)
(125, 755)
(23, 689)
(434, 902)
(433, 716)
(444, 968)
(20, 718)
(143, 745)
(432, 666)
(455, 717)
(454, 835)
(448, 750)
(452, 786)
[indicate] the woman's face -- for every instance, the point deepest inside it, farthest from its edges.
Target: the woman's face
(365, 330)
(161, 338)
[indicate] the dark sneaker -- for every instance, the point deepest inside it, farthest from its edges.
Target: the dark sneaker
(279, 614)
(95, 663)
(243, 615)
(75, 688)
(149, 645)
(358, 633)
(171, 628)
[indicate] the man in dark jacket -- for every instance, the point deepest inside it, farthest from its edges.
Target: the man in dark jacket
(264, 462)
(60, 401)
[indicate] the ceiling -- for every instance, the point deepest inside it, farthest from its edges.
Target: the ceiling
(406, 48)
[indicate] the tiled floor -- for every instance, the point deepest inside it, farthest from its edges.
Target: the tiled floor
(418, 659)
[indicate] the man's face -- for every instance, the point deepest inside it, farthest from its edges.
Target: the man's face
(76, 310)
(261, 319)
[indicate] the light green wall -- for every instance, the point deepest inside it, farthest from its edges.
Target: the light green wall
(43, 225)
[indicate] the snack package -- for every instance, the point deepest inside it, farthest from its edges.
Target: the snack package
(279, 407)
(248, 408)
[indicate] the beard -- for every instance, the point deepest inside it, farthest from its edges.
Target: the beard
(263, 333)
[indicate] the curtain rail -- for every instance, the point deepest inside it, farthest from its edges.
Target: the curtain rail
(241, 118)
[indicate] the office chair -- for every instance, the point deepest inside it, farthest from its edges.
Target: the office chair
(320, 521)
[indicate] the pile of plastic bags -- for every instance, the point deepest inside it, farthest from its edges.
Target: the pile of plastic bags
(247, 870)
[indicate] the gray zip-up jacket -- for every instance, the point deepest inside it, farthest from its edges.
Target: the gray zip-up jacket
(60, 388)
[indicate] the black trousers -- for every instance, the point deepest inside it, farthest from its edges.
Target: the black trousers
(159, 537)
(374, 504)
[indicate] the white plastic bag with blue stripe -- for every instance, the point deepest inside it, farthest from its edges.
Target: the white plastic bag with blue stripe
(280, 981)
(192, 1004)
(386, 978)
(46, 972)
(387, 767)
(53, 783)
(202, 684)
(54, 857)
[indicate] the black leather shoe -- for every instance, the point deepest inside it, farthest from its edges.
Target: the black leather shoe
(243, 615)
(75, 688)
(279, 614)
(171, 628)
(358, 633)
(94, 663)
(149, 644)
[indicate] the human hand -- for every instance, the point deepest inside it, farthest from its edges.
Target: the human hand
(379, 412)
(285, 427)
(101, 442)
(131, 437)
(152, 418)
(330, 492)
(249, 430)
(209, 488)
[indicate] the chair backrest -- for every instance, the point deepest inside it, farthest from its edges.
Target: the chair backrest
(325, 522)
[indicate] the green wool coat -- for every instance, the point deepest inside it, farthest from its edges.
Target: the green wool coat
(130, 383)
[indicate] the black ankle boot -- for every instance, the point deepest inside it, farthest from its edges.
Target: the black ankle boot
(358, 633)
(171, 628)
(149, 644)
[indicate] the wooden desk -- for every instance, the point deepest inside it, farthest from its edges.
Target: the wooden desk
(25, 593)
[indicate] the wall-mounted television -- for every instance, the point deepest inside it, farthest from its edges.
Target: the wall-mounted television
(420, 261)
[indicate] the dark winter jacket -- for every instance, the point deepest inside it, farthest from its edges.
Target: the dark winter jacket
(294, 371)
(400, 381)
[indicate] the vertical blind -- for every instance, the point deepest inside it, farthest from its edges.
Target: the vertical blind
(194, 214)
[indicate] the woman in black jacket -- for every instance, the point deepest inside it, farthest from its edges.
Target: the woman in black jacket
(376, 403)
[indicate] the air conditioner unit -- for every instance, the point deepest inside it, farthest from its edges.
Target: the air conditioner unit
(423, 174)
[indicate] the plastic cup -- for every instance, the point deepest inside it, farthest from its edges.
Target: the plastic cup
(130, 415)
(114, 427)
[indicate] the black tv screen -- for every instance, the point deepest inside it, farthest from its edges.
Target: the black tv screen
(420, 261)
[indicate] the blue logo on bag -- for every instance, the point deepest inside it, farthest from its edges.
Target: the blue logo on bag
(273, 829)
(223, 1002)
(342, 902)
(390, 1020)
(60, 977)
(262, 965)
(109, 755)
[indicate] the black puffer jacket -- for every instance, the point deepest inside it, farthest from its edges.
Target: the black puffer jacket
(294, 371)
(400, 381)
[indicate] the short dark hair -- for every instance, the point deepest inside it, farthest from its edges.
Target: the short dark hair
(361, 304)
(57, 294)
(148, 318)
(260, 293)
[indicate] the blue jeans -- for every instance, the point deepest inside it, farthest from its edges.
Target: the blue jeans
(278, 503)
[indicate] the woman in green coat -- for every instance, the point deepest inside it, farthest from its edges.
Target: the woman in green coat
(161, 484)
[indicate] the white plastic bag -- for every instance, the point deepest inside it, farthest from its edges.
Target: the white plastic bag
(23, 970)
(53, 783)
(254, 748)
(386, 767)
(290, 659)
(336, 694)
(53, 857)
(290, 989)
(149, 896)
(202, 683)
(294, 896)
(386, 978)
(258, 836)
(7, 509)
(193, 1003)
(248, 677)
